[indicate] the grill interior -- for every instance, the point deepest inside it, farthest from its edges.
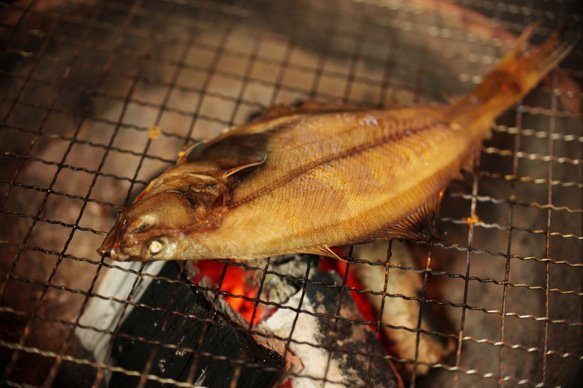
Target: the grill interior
(99, 97)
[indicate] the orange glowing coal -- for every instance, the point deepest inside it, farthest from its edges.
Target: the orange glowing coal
(232, 286)
(364, 306)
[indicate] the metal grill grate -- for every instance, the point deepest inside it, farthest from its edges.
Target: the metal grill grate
(99, 97)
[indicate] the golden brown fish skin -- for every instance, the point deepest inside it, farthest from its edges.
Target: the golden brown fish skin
(305, 179)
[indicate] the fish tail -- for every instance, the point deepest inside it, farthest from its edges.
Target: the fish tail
(512, 78)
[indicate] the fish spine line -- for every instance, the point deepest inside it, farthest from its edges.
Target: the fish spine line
(405, 129)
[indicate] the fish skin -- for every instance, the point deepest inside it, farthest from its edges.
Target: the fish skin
(300, 180)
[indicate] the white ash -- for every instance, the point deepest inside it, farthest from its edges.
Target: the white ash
(333, 352)
(284, 276)
(106, 314)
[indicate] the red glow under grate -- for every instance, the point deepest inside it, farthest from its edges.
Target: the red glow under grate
(236, 292)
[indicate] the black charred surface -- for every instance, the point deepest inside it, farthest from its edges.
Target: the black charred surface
(353, 346)
(226, 346)
(285, 276)
(233, 151)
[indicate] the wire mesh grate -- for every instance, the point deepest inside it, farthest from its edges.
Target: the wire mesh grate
(100, 97)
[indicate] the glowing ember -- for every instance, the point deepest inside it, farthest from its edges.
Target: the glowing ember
(232, 284)
(329, 264)
(154, 133)
(471, 220)
(241, 296)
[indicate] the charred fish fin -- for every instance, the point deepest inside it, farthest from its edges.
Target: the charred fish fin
(190, 151)
(236, 169)
(418, 225)
(423, 220)
(232, 153)
(522, 41)
(323, 250)
(273, 112)
(311, 106)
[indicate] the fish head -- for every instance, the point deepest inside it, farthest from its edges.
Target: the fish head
(158, 227)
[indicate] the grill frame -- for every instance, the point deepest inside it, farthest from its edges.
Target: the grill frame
(46, 74)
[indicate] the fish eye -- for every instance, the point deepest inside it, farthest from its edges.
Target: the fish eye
(155, 247)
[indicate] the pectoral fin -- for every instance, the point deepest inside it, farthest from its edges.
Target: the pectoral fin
(230, 154)
(244, 166)
(190, 152)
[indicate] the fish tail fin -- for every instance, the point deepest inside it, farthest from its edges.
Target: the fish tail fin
(512, 78)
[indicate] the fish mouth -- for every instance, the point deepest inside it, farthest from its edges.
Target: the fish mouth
(108, 244)
(110, 247)
(115, 255)
(104, 251)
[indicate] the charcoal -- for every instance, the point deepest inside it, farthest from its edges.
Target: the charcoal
(226, 350)
(333, 343)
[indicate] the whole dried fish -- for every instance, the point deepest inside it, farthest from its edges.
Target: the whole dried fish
(304, 179)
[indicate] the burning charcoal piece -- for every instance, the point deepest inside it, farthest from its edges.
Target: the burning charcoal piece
(226, 352)
(342, 352)
(401, 312)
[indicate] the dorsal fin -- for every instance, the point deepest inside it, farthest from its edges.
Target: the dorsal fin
(282, 110)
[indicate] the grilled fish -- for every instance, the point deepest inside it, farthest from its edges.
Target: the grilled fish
(300, 180)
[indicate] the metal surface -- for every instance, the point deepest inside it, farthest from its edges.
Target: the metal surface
(98, 97)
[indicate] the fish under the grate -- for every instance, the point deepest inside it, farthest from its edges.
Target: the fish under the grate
(320, 175)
